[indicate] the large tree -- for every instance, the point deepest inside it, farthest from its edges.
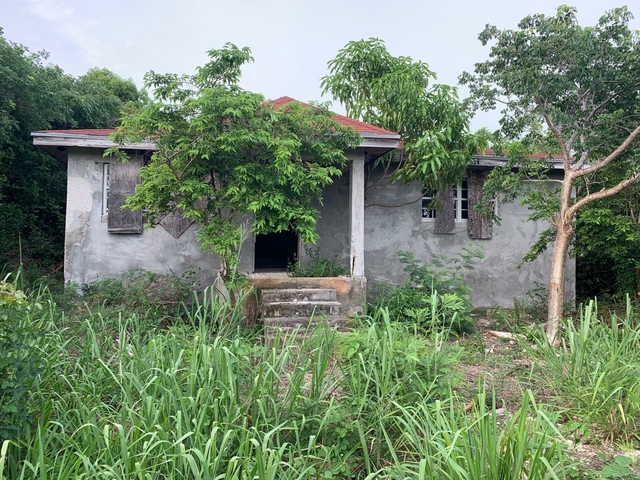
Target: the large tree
(583, 85)
(35, 95)
(223, 154)
(398, 93)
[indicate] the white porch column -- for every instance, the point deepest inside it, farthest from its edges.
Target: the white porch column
(356, 214)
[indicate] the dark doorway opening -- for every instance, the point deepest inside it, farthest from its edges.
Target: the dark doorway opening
(274, 251)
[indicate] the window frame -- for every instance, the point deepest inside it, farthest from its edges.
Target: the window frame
(105, 188)
(461, 214)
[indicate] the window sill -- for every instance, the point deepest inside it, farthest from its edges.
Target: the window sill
(433, 220)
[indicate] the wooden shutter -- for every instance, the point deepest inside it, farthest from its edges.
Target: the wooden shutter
(445, 216)
(123, 178)
(479, 226)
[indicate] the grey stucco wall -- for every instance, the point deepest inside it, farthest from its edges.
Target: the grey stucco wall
(92, 253)
(496, 280)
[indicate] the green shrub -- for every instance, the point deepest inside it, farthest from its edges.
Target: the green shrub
(434, 294)
(156, 296)
(19, 359)
(316, 266)
(594, 375)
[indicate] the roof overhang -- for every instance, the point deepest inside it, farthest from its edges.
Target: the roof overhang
(60, 139)
(43, 139)
(490, 161)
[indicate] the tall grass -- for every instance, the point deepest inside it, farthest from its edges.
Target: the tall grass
(202, 400)
(595, 374)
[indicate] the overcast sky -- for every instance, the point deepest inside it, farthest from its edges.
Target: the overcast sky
(291, 40)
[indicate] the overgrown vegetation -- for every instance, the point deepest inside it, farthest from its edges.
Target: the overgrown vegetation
(315, 265)
(157, 297)
(35, 95)
(19, 359)
(104, 391)
(434, 295)
(202, 399)
(594, 376)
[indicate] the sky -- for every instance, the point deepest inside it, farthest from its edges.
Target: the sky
(291, 40)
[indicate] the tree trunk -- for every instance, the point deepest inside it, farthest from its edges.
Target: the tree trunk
(556, 287)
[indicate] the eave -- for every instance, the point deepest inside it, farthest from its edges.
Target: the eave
(59, 139)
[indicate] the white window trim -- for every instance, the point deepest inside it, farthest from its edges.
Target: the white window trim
(105, 188)
(457, 194)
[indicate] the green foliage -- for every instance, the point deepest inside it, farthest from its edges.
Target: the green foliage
(314, 265)
(593, 376)
(35, 96)
(396, 93)
(159, 297)
(201, 399)
(607, 246)
(622, 467)
(101, 96)
(443, 442)
(19, 359)
(223, 152)
(434, 294)
(386, 362)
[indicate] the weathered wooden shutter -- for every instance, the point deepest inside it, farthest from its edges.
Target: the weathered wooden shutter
(123, 178)
(445, 216)
(479, 226)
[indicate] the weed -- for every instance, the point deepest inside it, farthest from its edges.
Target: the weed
(434, 294)
(157, 297)
(593, 375)
(19, 359)
(316, 265)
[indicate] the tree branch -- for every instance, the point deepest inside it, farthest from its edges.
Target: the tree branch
(613, 155)
(558, 134)
(394, 206)
(573, 209)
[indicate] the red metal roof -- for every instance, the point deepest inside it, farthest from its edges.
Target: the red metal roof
(360, 127)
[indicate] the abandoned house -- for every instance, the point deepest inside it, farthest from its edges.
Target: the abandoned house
(101, 240)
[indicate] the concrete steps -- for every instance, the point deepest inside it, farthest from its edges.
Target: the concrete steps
(289, 310)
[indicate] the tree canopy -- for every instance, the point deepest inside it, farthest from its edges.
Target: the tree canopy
(224, 154)
(578, 86)
(35, 95)
(397, 93)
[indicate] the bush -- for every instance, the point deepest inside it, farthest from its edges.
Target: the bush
(316, 265)
(434, 294)
(149, 294)
(19, 360)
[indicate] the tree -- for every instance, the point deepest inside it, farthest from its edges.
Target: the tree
(100, 97)
(583, 85)
(35, 95)
(607, 242)
(223, 154)
(32, 184)
(395, 93)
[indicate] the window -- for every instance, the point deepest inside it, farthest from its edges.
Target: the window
(105, 188)
(460, 203)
